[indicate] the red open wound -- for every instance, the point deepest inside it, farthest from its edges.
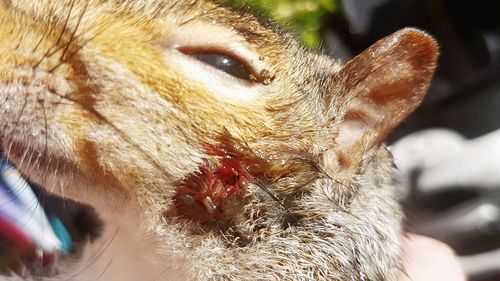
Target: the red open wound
(215, 193)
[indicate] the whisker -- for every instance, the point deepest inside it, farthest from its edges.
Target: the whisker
(269, 192)
(97, 255)
(66, 21)
(73, 34)
(105, 269)
(121, 133)
(18, 119)
(45, 145)
(81, 46)
(48, 31)
(20, 42)
(56, 45)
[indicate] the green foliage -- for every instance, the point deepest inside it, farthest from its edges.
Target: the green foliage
(306, 17)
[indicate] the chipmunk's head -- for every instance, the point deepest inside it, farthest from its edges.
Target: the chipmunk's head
(235, 144)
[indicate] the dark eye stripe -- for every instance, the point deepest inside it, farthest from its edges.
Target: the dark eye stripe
(224, 63)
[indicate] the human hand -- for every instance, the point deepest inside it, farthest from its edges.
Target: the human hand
(426, 259)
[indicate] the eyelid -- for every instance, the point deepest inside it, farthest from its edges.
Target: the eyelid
(226, 52)
(221, 85)
(193, 36)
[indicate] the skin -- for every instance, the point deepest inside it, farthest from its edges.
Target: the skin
(430, 260)
(101, 102)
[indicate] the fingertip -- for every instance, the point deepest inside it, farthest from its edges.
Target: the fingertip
(426, 259)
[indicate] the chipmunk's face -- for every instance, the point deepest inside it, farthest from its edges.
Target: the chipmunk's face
(249, 156)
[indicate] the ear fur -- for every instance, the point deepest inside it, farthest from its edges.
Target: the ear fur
(383, 85)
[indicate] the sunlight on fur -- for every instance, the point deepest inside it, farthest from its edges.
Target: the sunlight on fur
(212, 146)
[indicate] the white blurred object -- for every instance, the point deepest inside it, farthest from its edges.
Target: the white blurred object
(446, 160)
(33, 220)
(479, 264)
(443, 160)
(425, 148)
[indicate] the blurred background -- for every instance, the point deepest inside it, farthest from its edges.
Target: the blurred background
(449, 150)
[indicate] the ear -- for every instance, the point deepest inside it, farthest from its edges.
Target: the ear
(383, 85)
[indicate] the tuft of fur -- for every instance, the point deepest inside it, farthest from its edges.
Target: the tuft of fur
(94, 106)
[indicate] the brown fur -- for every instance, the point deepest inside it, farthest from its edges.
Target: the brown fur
(97, 105)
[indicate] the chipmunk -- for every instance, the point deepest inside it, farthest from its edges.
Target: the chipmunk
(212, 133)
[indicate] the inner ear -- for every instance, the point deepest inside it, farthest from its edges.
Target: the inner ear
(382, 85)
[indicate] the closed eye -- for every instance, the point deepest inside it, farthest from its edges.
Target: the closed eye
(229, 67)
(224, 63)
